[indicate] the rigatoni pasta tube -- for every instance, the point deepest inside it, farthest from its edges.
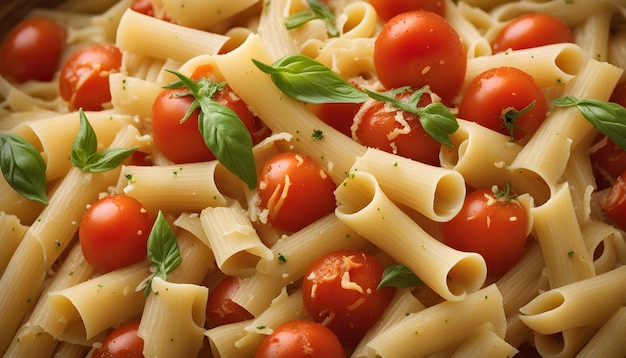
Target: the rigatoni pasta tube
(365, 208)
(442, 326)
(435, 192)
(583, 303)
(172, 322)
(609, 340)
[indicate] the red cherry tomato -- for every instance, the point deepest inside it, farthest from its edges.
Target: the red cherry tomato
(419, 48)
(300, 339)
(387, 9)
(396, 131)
(531, 30)
(84, 80)
(614, 205)
(123, 342)
(183, 142)
(32, 50)
(337, 115)
(147, 8)
(295, 190)
(339, 289)
(495, 227)
(114, 232)
(221, 309)
(497, 97)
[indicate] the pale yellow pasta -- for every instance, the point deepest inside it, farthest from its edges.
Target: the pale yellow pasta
(485, 343)
(579, 175)
(441, 326)
(600, 239)
(133, 95)
(608, 340)
(358, 20)
(235, 243)
(222, 340)
(593, 35)
(349, 58)
(11, 232)
(474, 41)
(172, 322)
(572, 13)
(365, 208)
(202, 15)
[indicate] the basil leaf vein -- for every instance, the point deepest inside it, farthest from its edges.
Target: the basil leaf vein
(23, 167)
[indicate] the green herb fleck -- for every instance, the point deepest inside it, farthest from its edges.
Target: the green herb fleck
(317, 134)
(282, 258)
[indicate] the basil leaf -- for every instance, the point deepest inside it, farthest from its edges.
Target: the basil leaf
(318, 11)
(163, 250)
(23, 167)
(307, 80)
(84, 155)
(222, 130)
(607, 117)
(436, 119)
(228, 139)
(399, 276)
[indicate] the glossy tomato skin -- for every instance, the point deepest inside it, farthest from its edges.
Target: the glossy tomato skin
(123, 342)
(494, 228)
(32, 50)
(614, 205)
(498, 90)
(84, 81)
(300, 339)
(350, 309)
(531, 30)
(337, 115)
(221, 309)
(295, 190)
(387, 9)
(114, 232)
(420, 48)
(377, 126)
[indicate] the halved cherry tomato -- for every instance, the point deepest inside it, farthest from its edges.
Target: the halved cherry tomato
(84, 80)
(614, 205)
(32, 50)
(494, 226)
(123, 342)
(300, 339)
(497, 99)
(220, 308)
(381, 126)
(114, 232)
(531, 30)
(419, 48)
(339, 289)
(387, 9)
(295, 190)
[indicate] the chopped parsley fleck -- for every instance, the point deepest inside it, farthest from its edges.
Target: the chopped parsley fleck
(317, 134)
(260, 327)
(282, 258)
(570, 253)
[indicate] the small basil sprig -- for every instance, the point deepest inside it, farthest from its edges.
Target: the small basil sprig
(609, 118)
(223, 132)
(307, 80)
(399, 276)
(509, 118)
(163, 252)
(84, 155)
(318, 11)
(436, 118)
(23, 167)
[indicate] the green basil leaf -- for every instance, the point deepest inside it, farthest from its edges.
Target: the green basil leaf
(163, 251)
(23, 167)
(607, 117)
(299, 19)
(228, 139)
(399, 276)
(108, 159)
(436, 119)
(307, 80)
(318, 11)
(85, 143)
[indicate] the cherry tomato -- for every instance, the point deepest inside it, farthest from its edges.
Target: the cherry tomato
(339, 289)
(147, 8)
(419, 48)
(614, 205)
(183, 142)
(114, 232)
(337, 115)
(387, 9)
(123, 342)
(531, 30)
(32, 50)
(295, 190)
(496, 99)
(396, 131)
(300, 339)
(84, 80)
(221, 309)
(494, 226)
